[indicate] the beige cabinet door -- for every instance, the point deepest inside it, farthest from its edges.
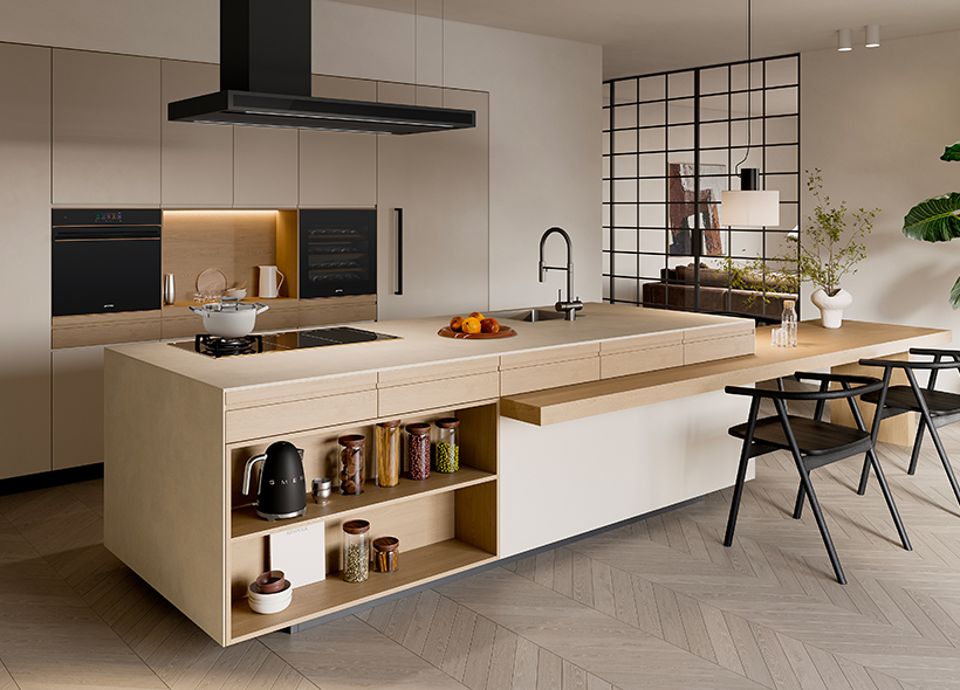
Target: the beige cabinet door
(25, 259)
(197, 159)
(106, 129)
(339, 169)
(265, 167)
(440, 180)
(77, 406)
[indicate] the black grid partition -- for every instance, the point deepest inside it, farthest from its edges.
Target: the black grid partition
(672, 142)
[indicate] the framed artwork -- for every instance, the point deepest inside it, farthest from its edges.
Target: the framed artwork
(682, 196)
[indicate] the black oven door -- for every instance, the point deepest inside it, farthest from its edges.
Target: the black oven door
(338, 252)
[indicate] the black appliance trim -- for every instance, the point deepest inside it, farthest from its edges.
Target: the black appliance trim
(399, 290)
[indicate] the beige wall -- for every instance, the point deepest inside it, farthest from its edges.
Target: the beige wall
(876, 122)
(544, 102)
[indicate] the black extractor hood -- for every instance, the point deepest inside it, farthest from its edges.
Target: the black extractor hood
(265, 80)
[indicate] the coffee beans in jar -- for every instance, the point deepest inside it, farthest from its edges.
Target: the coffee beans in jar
(418, 450)
(352, 468)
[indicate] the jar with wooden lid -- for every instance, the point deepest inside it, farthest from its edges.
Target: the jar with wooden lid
(352, 471)
(386, 554)
(418, 450)
(355, 554)
(388, 453)
(448, 447)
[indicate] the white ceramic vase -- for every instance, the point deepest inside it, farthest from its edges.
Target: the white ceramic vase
(831, 308)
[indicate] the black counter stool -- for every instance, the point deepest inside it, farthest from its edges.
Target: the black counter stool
(936, 408)
(812, 442)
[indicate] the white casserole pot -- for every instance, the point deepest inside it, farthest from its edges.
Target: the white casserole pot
(229, 319)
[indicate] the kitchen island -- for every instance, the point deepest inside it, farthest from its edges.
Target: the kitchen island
(180, 427)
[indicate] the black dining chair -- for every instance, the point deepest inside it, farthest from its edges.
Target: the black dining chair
(937, 408)
(813, 443)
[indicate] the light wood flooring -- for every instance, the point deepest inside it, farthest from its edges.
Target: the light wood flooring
(658, 603)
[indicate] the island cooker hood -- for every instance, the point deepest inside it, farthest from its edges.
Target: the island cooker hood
(265, 80)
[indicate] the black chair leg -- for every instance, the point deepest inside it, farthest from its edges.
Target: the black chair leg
(821, 523)
(888, 497)
(737, 494)
(798, 506)
(864, 476)
(941, 451)
(915, 455)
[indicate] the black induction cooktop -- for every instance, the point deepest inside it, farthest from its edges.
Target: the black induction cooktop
(214, 346)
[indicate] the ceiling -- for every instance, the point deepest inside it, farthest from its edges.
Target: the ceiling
(641, 36)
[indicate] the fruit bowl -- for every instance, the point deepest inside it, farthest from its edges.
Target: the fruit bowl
(505, 332)
(476, 326)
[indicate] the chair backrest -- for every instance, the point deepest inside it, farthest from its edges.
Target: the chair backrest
(941, 360)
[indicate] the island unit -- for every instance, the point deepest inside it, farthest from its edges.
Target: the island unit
(544, 451)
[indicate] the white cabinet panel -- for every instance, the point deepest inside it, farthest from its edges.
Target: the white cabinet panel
(106, 129)
(441, 181)
(265, 167)
(197, 158)
(25, 259)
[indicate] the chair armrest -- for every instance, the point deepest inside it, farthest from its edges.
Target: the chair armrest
(934, 352)
(908, 364)
(836, 378)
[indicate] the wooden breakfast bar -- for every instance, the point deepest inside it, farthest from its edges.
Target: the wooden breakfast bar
(563, 429)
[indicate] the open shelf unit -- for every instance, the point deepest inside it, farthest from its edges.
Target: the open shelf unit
(446, 523)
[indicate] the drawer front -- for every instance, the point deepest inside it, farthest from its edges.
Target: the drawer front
(336, 310)
(549, 356)
(641, 342)
(728, 330)
(300, 415)
(719, 348)
(438, 372)
(523, 380)
(430, 395)
(181, 326)
(254, 396)
(106, 333)
(640, 361)
(278, 319)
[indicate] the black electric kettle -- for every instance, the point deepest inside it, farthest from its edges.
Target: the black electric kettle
(281, 492)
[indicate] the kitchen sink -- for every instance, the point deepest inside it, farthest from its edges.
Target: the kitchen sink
(531, 315)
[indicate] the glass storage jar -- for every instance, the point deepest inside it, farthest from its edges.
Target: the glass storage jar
(418, 450)
(355, 554)
(448, 448)
(352, 474)
(386, 554)
(388, 453)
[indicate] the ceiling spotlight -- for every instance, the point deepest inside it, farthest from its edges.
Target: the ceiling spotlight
(873, 36)
(844, 40)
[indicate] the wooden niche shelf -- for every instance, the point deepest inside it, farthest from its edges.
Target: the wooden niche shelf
(446, 524)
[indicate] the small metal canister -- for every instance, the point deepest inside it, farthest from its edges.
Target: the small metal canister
(322, 488)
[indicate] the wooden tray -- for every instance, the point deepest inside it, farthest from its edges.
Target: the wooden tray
(505, 332)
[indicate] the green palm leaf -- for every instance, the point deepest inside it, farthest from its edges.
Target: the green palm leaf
(951, 153)
(934, 220)
(955, 295)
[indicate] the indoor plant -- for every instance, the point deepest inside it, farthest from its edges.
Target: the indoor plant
(832, 246)
(938, 219)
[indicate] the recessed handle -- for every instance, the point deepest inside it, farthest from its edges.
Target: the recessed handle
(399, 290)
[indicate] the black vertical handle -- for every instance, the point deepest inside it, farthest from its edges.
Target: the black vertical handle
(399, 290)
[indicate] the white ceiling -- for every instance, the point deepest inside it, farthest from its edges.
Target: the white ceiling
(642, 36)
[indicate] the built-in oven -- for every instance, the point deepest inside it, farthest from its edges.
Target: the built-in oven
(338, 252)
(106, 260)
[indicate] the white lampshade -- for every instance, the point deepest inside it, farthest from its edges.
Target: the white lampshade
(873, 36)
(750, 209)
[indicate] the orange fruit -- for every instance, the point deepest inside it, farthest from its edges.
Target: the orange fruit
(456, 323)
(490, 326)
(477, 315)
(470, 325)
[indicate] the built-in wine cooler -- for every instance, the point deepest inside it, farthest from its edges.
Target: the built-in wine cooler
(338, 252)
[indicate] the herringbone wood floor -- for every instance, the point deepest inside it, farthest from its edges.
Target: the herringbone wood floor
(658, 603)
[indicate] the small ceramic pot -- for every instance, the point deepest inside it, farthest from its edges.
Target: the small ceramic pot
(831, 307)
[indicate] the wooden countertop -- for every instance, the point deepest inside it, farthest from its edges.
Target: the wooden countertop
(818, 349)
(420, 345)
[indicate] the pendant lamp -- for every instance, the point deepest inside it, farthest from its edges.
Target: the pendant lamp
(750, 206)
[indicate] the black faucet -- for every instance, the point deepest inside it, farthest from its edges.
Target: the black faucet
(570, 306)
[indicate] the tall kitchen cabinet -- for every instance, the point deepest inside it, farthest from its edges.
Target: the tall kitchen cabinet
(196, 159)
(106, 129)
(25, 259)
(439, 184)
